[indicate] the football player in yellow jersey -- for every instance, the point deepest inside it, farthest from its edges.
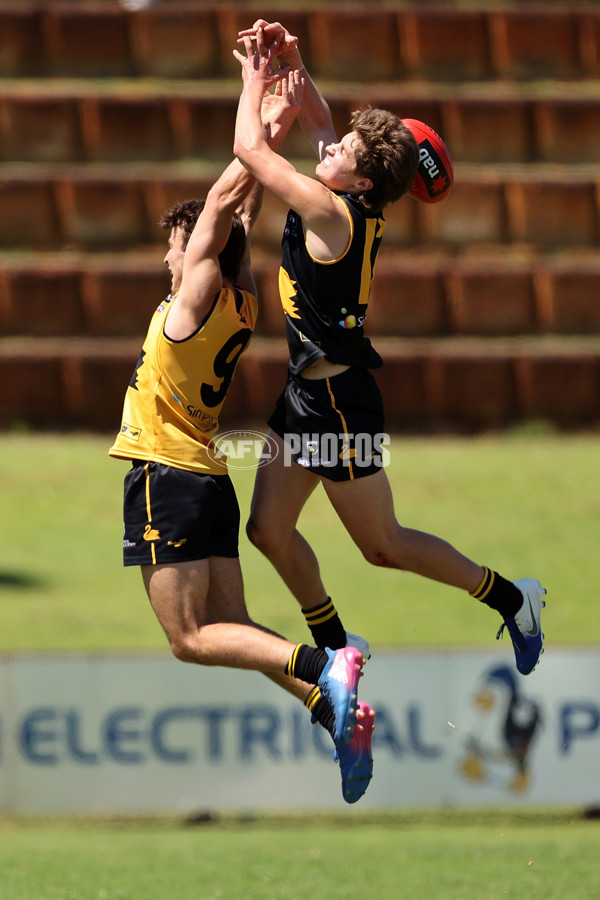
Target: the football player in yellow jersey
(181, 516)
(328, 424)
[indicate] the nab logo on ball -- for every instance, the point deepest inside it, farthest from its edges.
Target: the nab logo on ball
(435, 174)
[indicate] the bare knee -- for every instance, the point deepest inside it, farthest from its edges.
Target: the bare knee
(389, 550)
(376, 556)
(252, 531)
(181, 649)
(387, 554)
(188, 648)
(260, 536)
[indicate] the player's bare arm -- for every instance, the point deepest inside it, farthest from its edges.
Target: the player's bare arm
(326, 220)
(236, 190)
(315, 115)
(248, 213)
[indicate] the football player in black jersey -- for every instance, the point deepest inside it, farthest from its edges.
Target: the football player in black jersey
(328, 423)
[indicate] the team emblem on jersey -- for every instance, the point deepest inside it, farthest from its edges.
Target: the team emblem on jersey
(287, 292)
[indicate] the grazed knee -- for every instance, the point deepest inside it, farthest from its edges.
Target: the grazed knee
(377, 556)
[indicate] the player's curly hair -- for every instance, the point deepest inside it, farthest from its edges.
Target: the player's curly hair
(184, 215)
(387, 154)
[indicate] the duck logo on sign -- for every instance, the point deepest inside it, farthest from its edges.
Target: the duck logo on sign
(498, 747)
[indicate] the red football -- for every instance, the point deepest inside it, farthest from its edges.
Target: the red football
(435, 174)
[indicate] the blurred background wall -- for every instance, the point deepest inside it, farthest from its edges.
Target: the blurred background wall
(486, 307)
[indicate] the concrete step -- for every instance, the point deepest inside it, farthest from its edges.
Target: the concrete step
(393, 40)
(60, 121)
(102, 206)
(414, 294)
(469, 385)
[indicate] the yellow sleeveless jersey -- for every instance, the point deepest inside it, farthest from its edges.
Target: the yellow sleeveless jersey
(173, 401)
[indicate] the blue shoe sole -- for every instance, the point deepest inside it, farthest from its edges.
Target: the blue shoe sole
(355, 757)
(339, 684)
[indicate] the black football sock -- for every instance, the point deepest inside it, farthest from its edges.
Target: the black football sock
(321, 710)
(325, 625)
(499, 594)
(306, 663)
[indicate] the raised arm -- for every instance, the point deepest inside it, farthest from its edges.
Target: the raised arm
(324, 215)
(235, 191)
(315, 115)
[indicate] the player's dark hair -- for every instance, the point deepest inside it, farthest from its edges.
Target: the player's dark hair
(185, 215)
(387, 154)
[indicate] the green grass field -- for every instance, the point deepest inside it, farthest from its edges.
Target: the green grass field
(450, 856)
(526, 504)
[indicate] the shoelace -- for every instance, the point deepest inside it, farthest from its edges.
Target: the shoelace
(518, 639)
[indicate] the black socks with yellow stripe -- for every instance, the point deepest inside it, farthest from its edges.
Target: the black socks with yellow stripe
(321, 710)
(325, 625)
(499, 594)
(306, 663)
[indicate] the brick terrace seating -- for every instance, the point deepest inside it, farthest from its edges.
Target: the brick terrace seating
(83, 122)
(431, 40)
(485, 306)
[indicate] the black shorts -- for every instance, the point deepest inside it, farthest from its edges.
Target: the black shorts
(333, 426)
(172, 515)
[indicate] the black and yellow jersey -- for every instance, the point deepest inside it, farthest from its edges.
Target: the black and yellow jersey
(172, 405)
(325, 303)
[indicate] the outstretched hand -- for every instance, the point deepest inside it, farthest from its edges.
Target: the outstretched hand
(280, 108)
(271, 31)
(256, 65)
